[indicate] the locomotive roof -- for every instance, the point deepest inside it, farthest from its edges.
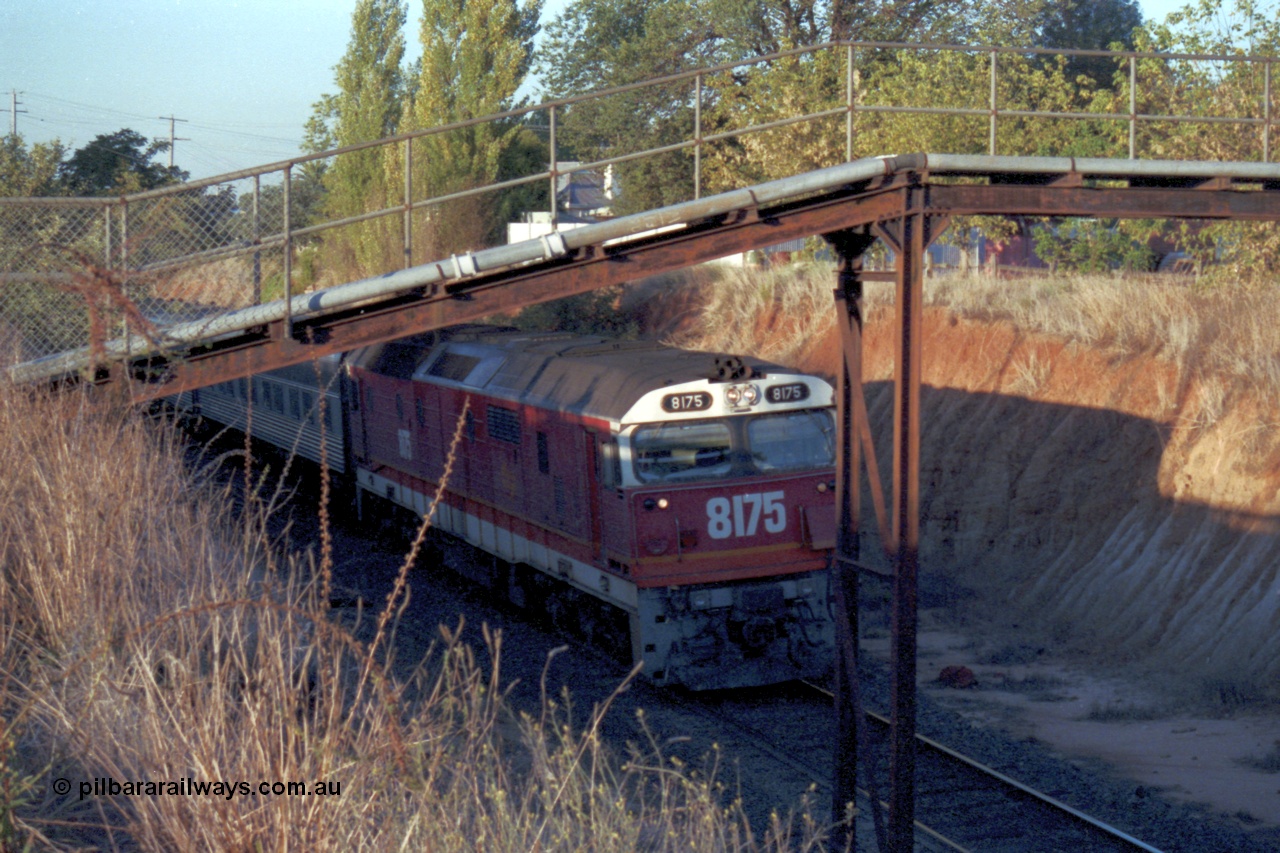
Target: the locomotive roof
(597, 376)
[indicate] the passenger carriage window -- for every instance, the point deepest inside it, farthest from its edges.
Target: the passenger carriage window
(308, 406)
(295, 408)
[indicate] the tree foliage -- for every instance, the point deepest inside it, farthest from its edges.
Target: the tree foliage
(28, 172)
(366, 108)
(475, 55)
(117, 163)
(1095, 246)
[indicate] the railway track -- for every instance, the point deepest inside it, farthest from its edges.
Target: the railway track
(961, 804)
(779, 740)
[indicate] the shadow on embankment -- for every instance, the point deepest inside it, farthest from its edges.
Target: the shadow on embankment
(1054, 517)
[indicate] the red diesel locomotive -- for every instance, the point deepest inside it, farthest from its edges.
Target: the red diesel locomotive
(675, 505)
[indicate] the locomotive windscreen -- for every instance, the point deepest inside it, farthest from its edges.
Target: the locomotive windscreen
(678, 451)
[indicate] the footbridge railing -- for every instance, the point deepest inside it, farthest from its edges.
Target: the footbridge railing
(905, 202)
(77, 272)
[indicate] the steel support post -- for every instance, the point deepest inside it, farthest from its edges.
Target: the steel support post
(288, 249)
(905, 526)
(849, 247)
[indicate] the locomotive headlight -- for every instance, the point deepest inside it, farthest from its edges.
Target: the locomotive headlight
(663, 503)
(733, 395)
(751, 394)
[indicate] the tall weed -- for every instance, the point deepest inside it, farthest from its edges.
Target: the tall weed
(146, 635)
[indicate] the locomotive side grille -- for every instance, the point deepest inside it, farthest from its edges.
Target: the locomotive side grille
(562, 500)
(504, 424)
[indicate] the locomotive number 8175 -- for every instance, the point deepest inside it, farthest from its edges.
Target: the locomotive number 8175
(675, 505)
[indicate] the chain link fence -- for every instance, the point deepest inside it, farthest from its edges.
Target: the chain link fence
(72, 270)
(75, 272)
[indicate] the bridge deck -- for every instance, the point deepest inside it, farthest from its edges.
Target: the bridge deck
(855, 195)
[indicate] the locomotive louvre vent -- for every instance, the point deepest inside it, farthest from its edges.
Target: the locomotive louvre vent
(504, 424)
(561, 497)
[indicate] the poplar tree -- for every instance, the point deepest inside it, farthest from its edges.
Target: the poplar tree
(367, 107)
(475, 55)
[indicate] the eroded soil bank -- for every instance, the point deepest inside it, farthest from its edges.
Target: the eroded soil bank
(1098, 543)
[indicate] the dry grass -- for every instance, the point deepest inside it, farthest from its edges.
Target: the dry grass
(770, 313)
(1227, 332)
(146, 636)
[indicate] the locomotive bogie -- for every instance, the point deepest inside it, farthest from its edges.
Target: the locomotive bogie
(742, 634)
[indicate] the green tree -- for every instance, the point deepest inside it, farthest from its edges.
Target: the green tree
(1090, 25)
(117, 163)
(606, 43)
(28, 172)
(1230, 251)
(598, 44)
(366, 108)
(475, 56)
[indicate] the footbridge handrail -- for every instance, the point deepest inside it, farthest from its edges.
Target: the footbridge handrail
(447, 278)
(238, 240)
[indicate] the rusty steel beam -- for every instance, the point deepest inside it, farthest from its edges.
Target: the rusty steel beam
(472, 299)
(906, 532)
(849, 246)
(1109, 202)
(909, 237)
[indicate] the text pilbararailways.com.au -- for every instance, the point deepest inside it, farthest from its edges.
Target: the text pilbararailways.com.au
(190, 787)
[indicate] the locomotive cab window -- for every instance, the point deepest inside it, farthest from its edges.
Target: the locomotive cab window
(682, 450)
(733, 447)
(788, 441)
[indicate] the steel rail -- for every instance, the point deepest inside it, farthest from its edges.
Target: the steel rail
(1008, 780)
(760, 741)
(1005, 779)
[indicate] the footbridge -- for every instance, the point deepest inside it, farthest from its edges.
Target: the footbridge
(906, 202)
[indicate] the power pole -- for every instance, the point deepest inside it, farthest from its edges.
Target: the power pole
(13, 112)
(173, 139)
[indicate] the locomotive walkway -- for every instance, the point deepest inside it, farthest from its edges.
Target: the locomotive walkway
(904, 201)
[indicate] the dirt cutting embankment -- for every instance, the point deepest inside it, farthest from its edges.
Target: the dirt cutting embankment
(1103, 502)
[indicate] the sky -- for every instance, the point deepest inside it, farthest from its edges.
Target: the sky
(242, 74)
